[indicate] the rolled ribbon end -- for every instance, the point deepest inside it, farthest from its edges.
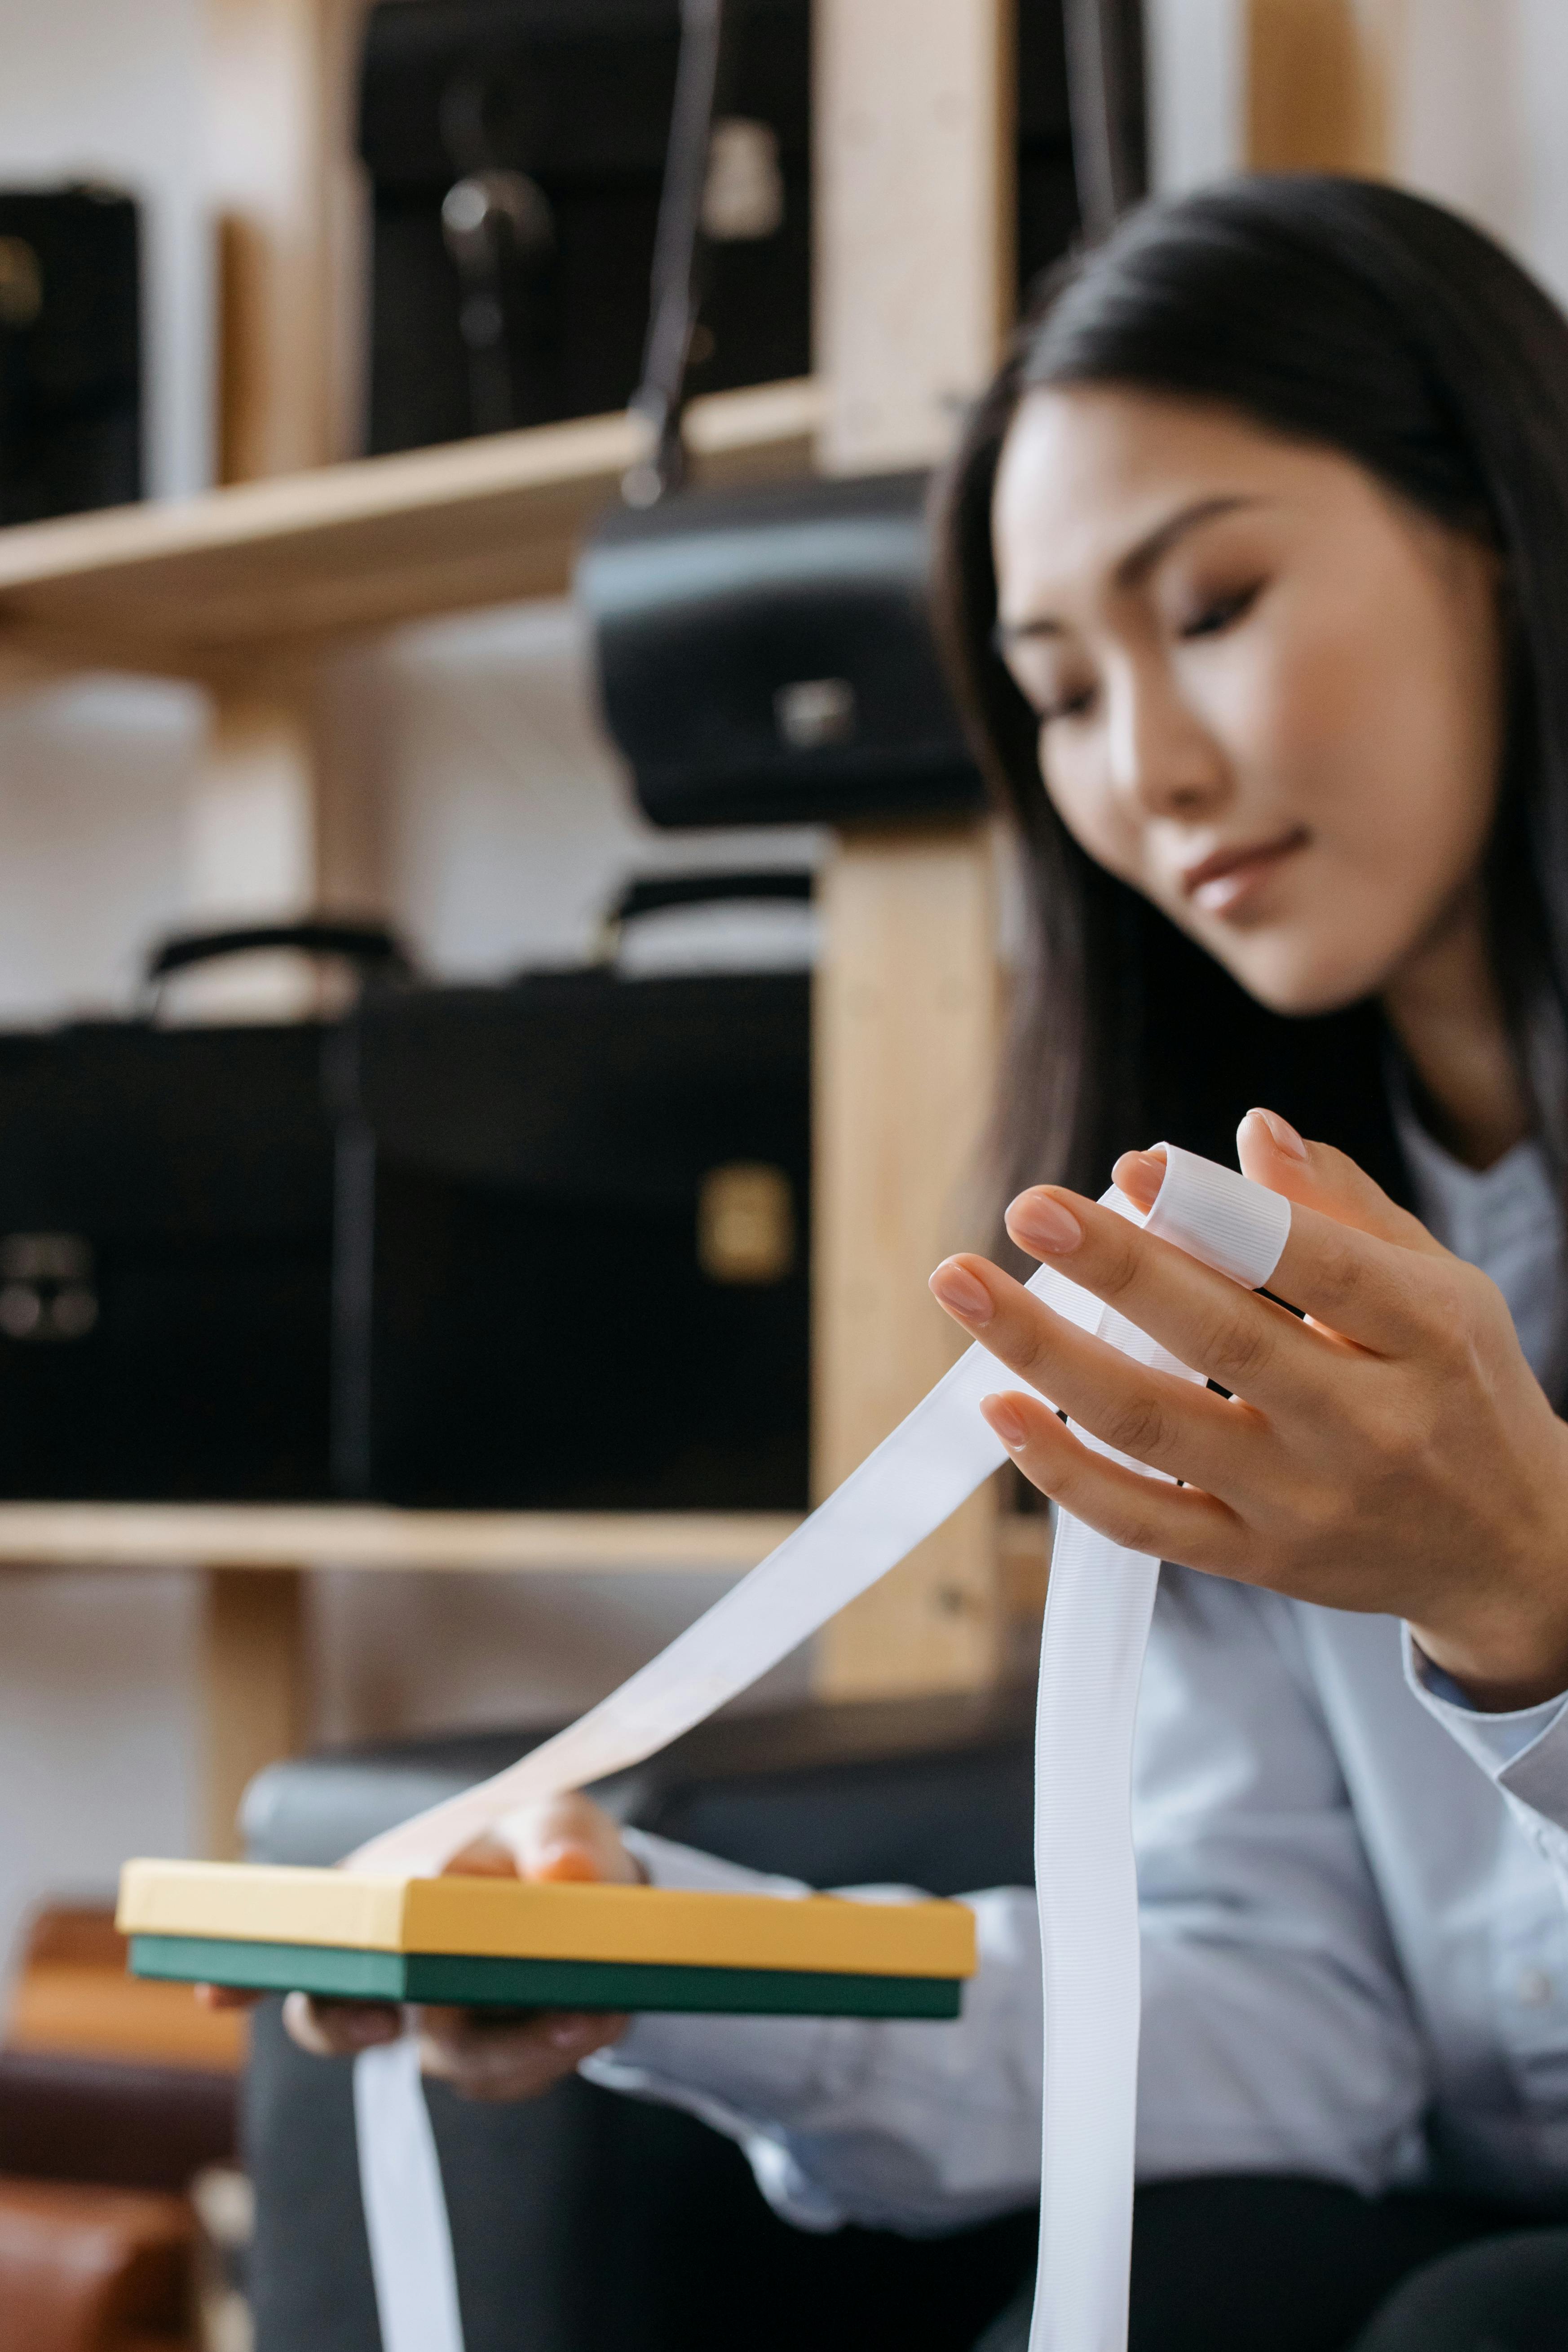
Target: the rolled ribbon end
(1220, 1216)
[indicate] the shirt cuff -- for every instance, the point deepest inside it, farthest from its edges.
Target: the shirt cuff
(706, 2060)
(665, 1863)
(1524, 1751)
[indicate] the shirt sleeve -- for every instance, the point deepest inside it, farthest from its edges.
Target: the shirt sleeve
(905, 2125)
(1277, 2035)
(1523, 1751)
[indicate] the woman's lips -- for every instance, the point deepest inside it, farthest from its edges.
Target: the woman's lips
(1220, 883)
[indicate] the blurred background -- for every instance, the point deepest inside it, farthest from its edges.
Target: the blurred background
(307, 233)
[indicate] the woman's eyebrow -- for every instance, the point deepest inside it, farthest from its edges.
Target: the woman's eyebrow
(1136, 566)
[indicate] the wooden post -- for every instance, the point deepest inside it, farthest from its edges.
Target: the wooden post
(905, 1042)
(915, 268)
(915, 255)
(289, 208)
(253, 1687)
(1317, 84)
(277, 828)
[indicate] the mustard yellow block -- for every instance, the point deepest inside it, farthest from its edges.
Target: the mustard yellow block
(505, 1918)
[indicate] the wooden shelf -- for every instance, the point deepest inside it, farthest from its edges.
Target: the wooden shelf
(307, 1536)
(327, 1535)
(208, 587)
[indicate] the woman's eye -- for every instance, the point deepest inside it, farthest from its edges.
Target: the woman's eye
(1221, 613)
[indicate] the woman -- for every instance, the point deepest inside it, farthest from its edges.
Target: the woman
(1255, 570)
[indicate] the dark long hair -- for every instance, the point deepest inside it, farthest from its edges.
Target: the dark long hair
(1364, 318)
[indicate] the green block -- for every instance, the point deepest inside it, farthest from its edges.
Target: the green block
(461, 1981)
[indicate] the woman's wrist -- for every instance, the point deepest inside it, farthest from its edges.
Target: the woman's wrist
(1510, 1665)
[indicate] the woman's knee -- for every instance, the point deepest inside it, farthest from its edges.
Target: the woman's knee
(1503, 2295)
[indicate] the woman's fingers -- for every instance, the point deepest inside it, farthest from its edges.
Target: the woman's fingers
(211, 1996)
(564, 1838)
(1144, 1515)
(1206, 1321)
(491, 2058)
(1375, 1292)
(339, 2029)
(1316, 1176)
(1170, 1424)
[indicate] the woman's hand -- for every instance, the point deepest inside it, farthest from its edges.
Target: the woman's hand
(563, 1838)
(1392, 1452)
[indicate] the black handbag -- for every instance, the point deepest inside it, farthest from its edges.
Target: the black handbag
(516, 150)
(70, 352)
(167, 1212)
(765, 656)
(572, 1260)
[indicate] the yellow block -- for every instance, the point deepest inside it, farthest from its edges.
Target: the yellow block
(507, 1918)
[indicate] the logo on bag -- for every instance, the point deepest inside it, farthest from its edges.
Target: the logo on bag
(46, 1287)
(745, 1224)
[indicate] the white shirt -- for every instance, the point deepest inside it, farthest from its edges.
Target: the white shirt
(1356, 1945)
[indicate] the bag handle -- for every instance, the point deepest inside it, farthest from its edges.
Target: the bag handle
(372, 946)
(649, 894)
(679, 251)
(1103, 40)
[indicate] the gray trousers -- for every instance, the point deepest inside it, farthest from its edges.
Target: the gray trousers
(1276, 2265)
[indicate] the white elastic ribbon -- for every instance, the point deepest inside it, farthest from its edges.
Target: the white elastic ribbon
(1097, 1621)
(411, 2257)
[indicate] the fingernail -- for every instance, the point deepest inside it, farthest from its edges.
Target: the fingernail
(1140, 1175)
(568, 2032)
(1006, 1421)
(956, 1288)
(1286, 1138)
(564, 1863)
(1043, 1225)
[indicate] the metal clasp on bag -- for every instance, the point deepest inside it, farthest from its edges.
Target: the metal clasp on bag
(46, 1286)
(745, 1224)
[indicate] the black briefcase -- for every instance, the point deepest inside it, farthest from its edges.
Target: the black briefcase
(70, 366)
(574, 1239)
(167, 1212)
(516, 150)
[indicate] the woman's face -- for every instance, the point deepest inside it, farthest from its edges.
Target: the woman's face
(1269, 691)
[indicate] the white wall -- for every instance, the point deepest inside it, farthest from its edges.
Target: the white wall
(107, 89)
(1478, 120)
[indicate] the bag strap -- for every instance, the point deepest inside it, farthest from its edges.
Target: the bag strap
(681, 249)
(1104, 62)
(649, 894)
(371, 945)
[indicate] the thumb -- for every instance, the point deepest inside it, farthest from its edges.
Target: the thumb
(564, 1838)
(1318, 1177)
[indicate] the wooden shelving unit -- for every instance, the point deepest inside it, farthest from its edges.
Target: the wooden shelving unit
(249, 589)
(291, 1538)
(275, 573)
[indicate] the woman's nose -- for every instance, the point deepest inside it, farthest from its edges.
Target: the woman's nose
(1161, 756)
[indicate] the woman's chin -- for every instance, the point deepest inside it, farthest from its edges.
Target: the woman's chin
(1293, 978)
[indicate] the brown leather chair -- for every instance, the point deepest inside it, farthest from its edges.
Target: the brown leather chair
(113, 2095)
(93, 2270)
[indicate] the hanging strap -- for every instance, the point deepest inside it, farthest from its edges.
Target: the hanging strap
(679, 251)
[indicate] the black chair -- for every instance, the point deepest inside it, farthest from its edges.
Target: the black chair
(587, 2222)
